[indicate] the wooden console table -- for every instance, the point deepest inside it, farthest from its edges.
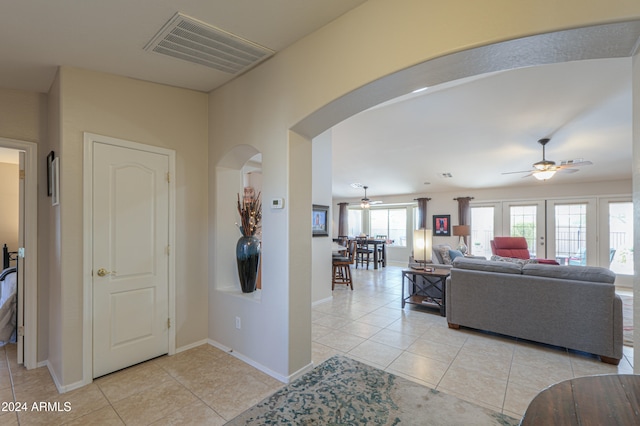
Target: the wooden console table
(417, 291)
(611, 399)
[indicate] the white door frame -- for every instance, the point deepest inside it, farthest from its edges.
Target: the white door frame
(87, 341)
(31, 247)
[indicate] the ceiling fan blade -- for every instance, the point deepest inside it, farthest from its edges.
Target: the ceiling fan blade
(566, 165)
(511, 173)
(375, 202)
(566, 170)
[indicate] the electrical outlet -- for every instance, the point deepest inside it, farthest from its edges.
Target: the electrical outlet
(238, 323)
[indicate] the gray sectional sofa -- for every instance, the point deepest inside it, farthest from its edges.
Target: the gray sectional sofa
(573, 307)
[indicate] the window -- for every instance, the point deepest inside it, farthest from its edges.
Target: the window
(390, 222)
(355, 222)
(523, 224)
(482, 220)
(621, 237)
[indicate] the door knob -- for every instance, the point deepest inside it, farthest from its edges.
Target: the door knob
(103, 272)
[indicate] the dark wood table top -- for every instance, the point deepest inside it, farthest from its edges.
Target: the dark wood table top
(436, 272)
(612, 399)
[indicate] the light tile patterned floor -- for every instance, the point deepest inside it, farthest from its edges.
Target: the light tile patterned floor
(207, 386)
(504, 374)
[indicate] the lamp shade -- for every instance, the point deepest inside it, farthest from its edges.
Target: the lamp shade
(422, 244)
(461, 230)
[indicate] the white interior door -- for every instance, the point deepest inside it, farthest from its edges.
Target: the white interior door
(130, 277)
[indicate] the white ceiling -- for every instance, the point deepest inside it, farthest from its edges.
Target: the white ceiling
(109, 36)
(474, 129)
(478, 128)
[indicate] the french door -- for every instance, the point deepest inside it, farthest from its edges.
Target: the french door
(564, 230)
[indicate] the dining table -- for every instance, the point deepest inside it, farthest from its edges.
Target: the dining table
(377, 254)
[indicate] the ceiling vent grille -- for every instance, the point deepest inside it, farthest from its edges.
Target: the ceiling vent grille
(194, 41)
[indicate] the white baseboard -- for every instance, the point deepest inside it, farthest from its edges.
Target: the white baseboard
(314, 304)
(61, 388)
(191, 345)
(266, 370)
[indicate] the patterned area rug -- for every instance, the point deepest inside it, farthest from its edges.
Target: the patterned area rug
(627, 320)
(342, 391)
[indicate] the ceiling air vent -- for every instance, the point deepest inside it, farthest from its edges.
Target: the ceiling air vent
(194, 41)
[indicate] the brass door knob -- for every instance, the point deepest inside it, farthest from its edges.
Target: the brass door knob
(103, 272)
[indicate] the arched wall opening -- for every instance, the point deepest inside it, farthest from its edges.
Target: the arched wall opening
(616, 40)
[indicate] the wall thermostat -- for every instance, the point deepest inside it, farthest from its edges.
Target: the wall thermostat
(277, 203)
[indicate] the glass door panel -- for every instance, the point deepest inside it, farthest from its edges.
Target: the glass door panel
(482, 230)
(527, 219)
(571, 234)
(620, 253)
(573, 230)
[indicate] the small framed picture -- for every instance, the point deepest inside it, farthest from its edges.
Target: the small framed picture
(50, 158)
(319, 221)
(442, 225)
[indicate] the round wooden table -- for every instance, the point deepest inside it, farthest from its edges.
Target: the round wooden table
(612, 399)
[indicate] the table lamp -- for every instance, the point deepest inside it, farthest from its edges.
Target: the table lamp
(422, 245)
(462, 231)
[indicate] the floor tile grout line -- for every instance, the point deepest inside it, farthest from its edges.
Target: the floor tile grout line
(193, 393)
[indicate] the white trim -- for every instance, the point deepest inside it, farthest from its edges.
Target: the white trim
(319, 302)
(191, 346)
(31, 247)
(61, 388)
(258, 366)
(87, 334)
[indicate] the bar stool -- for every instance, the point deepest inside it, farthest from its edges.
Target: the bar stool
(341, 268)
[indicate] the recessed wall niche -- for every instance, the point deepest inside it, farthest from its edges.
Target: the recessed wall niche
(240, 168)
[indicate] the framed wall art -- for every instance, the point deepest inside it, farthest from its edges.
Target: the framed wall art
(319, 221)
(442, 225)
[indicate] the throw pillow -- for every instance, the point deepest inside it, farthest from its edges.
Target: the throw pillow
(455, 253)
(520, 262)
(444, 253)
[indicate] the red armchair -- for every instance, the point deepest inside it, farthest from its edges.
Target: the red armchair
(515, 247)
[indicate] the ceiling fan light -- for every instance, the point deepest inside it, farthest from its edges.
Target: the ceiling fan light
(544, 174)
(364, 205)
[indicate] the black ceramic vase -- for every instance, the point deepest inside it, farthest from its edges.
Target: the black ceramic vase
(248, 258)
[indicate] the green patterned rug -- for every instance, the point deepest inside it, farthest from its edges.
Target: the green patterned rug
(342, 391)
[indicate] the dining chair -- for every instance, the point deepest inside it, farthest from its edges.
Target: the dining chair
(363, 252)
(341, 267)
(381, 249)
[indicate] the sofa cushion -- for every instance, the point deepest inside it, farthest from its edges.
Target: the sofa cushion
(594, 274)
(487, 265)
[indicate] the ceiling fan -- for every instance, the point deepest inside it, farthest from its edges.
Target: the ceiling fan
(366, 202)
(545, 169)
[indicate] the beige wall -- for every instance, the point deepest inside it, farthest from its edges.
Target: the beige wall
(335, 66)
(151, 114)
